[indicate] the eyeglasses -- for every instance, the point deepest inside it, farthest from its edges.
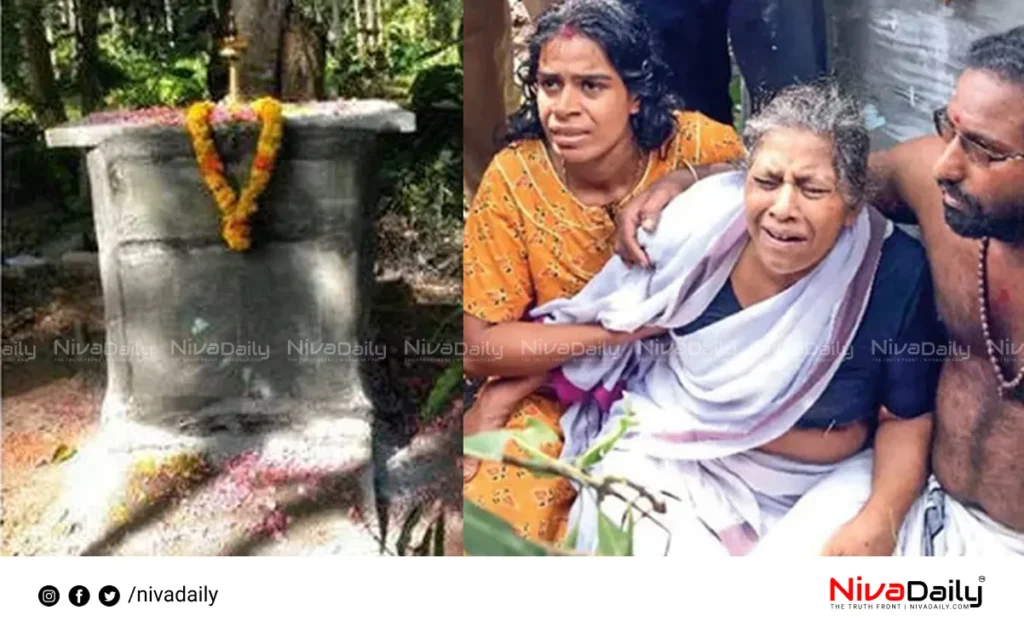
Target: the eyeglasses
(977, 153)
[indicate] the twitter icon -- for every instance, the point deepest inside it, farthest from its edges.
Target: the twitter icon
(109, 596)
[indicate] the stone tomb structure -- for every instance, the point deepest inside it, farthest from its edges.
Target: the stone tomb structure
(235, 417)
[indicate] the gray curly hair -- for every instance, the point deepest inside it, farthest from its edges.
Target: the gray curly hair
(824, 109)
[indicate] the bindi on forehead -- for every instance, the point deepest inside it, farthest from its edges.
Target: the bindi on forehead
(988, 106)
(568, 31)
(578, 55)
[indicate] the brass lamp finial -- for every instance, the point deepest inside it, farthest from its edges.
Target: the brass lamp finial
(232, 47)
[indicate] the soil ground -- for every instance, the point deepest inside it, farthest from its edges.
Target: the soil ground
(51, 406)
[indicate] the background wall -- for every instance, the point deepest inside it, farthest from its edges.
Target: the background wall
(904, 55)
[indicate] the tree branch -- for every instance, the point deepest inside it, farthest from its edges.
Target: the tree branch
(603, 485)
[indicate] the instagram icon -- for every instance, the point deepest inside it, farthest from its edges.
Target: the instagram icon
(49, 596)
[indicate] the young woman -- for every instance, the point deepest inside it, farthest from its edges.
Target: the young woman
(596, 126)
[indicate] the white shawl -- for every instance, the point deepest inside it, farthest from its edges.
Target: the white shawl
(730, 387)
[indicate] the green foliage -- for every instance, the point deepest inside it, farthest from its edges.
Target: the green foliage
(490, 445)
(141, 61)
(418, 35)
(491, 535)
(612, 540)
(437, 87)
(442, 391)
(421, 173)
(599, 449)
(149, 58)
(11, 54)
(351, 76)
(484, 534)
(137, 81)
(19, 123)
(571, 538)
(32, 173)
(421, 34)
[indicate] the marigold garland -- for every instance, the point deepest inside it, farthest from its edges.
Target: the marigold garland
(235, 210)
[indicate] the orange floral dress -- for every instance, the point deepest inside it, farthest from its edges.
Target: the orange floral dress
(527, 241)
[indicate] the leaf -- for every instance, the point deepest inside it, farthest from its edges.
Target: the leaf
(182, 73)
(599, 449)
(485, 534)
(542, 461)
(572, 537)
(405, 535)
(63, 453)
(488, 445)
(611, 540)
(536, 433)
(441, 391)
(630, 524)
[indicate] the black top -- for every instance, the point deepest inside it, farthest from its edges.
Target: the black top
(894, 359)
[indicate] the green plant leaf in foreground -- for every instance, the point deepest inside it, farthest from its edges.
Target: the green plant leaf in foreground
(442, 390)
(600, 448)
(536, 433)
(630, 524)
(541, 462)
(484, 534)
(611, 540)
(571, 538)
(490, 445)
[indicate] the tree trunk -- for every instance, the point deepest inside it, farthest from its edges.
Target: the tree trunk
(49, 36)
(335, 30)
(378, 26)
(360, 33)
(169, 20)
(303, 60)
(41, 83)
(370, 23)
(88, 54)
(69, 15)
(262, 23)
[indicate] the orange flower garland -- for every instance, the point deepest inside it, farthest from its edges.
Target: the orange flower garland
(235, 211)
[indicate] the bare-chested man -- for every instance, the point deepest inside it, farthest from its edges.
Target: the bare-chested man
(964, 187)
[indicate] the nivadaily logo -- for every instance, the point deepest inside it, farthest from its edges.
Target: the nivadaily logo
(913, 594)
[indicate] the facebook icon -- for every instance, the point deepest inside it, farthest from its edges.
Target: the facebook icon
(79, 595)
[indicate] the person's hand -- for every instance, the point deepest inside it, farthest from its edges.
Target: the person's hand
(867, 534)
(645, 210)
(493, 407)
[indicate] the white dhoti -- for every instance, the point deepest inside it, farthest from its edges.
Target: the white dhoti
(752, 503)
(939, 525)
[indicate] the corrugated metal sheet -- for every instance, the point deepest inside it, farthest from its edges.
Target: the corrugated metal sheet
(904, 55)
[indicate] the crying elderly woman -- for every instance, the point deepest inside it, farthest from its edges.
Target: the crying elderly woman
(781, 411)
